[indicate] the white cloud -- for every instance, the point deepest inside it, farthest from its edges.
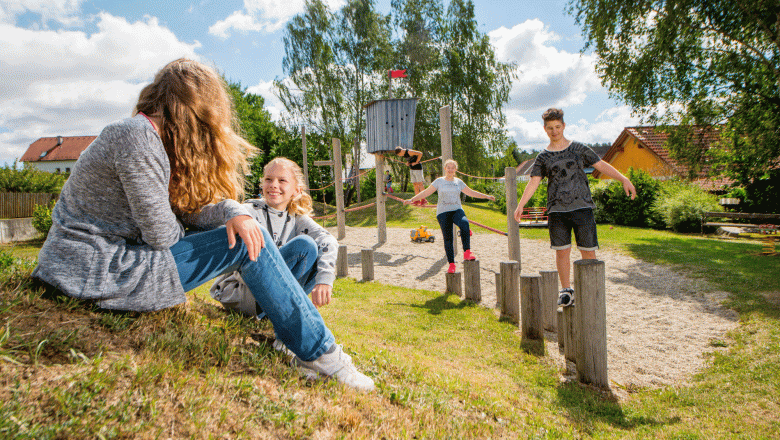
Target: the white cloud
(61, 11)
(548, 77)
(263, 15)
(73, 82)
(272, 102)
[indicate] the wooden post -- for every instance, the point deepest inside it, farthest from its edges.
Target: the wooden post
(550, 299)
(499, 291)
(590, 322)
(513, 232)
(367, 261)
(381, 224)
(453, 283)
(342, 266)
(567, 333)
(532, 332)
(559, 323)
(472, 288)
(445, 131)
(510, 308)
(305, 158)
(337, 170)
(356, 165)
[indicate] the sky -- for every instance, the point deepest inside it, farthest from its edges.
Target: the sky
(70, 67)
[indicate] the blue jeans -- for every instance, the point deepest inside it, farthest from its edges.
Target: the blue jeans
(301, 254)
(446, 220)
(204, 255)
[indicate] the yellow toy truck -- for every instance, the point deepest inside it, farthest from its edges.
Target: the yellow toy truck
(421, 235)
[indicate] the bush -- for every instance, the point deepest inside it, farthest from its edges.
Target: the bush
(681, 206)
(29, 180)
(612, 204)
(41, 219)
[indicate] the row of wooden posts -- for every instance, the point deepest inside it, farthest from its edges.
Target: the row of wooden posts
(531, 301)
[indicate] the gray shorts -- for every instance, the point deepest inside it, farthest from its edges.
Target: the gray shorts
(417, 176)
(560, 225)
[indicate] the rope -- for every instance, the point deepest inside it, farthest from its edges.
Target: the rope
(407, 163)
(326, 186)
(488, 228)
(478, 177)
(402, 200)
(346, 210)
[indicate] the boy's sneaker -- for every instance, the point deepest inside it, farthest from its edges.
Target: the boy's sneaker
(468, 255)
(566, 297)
(337, 365)
(451, 268)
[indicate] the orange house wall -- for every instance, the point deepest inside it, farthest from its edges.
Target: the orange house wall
(634, 155)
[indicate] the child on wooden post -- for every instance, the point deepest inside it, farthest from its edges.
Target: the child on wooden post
(569, 202)
(449, 211)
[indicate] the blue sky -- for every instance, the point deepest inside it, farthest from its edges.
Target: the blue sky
(70, 67)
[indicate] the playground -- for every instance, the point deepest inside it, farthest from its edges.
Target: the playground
(654, 315)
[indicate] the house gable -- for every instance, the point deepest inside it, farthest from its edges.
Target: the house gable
(57, 148)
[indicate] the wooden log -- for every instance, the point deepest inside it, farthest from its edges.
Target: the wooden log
(337, 173)
(453, 284)
(305, 158)
(566, 333)
(550, 299)
(590, 323)
(559, 321)
(510, 272)
(342, 266)
(472, 287)
(381, 199)
(499, 292)
(513, 231)
(531, 324)
(367, 261)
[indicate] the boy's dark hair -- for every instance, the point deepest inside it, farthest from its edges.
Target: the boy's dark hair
(398, 150)
(552, 114)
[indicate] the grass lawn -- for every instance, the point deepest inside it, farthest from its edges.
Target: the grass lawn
(444, 367)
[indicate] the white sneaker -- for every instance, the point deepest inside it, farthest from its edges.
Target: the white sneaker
(337, 365)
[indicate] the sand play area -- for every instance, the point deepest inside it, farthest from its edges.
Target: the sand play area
(660, 323)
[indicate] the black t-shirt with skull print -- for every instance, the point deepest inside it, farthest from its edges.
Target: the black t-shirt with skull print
(567, 184)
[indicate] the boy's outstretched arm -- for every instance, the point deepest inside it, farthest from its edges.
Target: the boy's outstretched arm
(610, 171)
(529, 191)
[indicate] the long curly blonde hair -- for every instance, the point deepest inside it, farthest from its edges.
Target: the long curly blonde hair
(300, 204)
(200, 133)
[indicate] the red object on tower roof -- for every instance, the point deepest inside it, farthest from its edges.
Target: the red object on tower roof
(398, 74)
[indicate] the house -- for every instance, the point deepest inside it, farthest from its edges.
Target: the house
(56, 154)
(644, 148)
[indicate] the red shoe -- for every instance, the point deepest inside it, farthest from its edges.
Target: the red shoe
(452, 268)
(423, 202)
(468, 255)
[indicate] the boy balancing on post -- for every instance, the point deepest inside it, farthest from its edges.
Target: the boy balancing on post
(569, 203)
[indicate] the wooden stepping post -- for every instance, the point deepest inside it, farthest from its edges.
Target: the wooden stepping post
(499, 292)
(532, 325)
(550, 299)
(453, 284)
(590, 322)
(566, 333)
(472, 287)
(367, 261)
(342, 268)
(510, 307)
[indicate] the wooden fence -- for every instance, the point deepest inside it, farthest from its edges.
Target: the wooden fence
(20, 205)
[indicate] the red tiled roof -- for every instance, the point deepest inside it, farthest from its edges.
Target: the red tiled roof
(525, 167)
(70, 148)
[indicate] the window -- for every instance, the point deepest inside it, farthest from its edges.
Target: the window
(67, 170)
(58, 171)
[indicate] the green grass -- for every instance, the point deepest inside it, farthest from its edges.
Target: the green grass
(444, 368)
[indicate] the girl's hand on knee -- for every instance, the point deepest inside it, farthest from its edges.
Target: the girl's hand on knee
(249, 230)
(321, 294)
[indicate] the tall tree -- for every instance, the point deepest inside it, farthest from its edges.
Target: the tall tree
(312, 92)
(685, 63)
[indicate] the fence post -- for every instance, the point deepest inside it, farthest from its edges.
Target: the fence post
(499, 291)
(342, 268)
(305, 158)
(567, 334)
(532, 332)
(513, 231)
(472, 288)
(367, 261)
(510, 307)
(381, 199)
(337, 171)
(550, 299)
(590, 322)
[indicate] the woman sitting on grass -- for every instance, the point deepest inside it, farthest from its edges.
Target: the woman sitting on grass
(118, 238)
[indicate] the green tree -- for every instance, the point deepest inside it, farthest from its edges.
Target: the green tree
(685, 63)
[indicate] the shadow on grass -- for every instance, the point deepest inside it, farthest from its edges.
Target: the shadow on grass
(587, 405)
(436, 306)
(735, 267)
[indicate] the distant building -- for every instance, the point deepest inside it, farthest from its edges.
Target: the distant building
(524, 169)
(645, 148)
(56, 154)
